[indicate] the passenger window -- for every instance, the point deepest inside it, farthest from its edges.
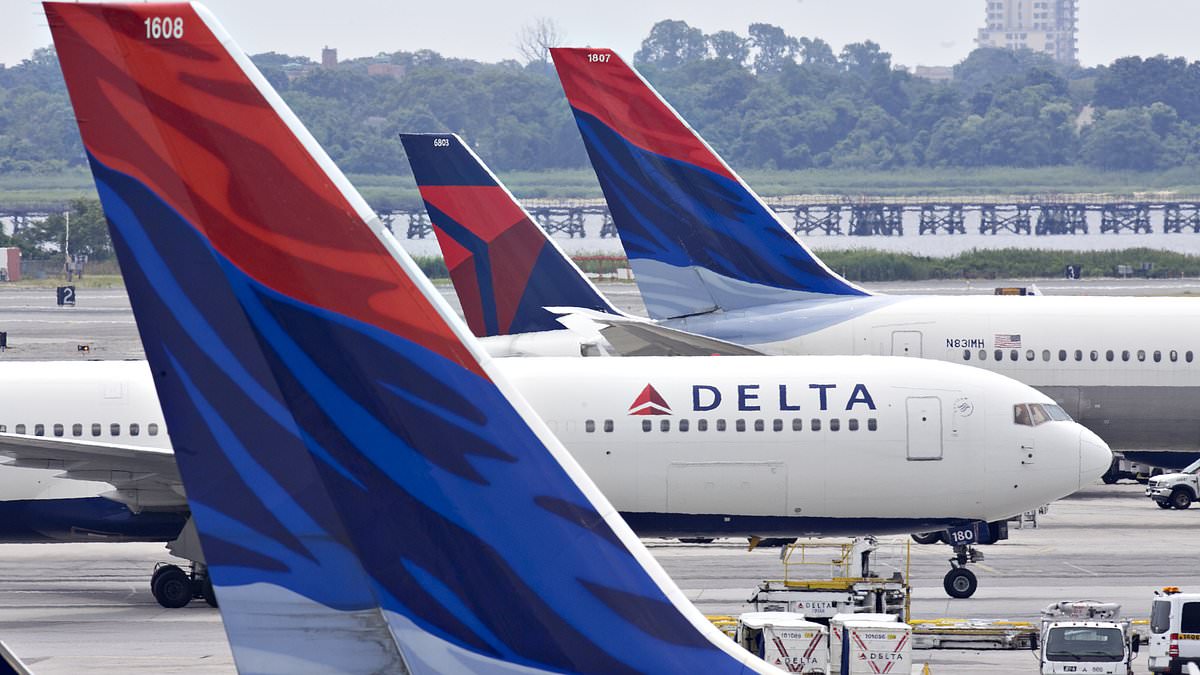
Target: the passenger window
(721, 424)
(759, 425)
(815, 425)
(114, 429)
(1174, 356)
(20, 428)
(966, 355)
(1187, 356)
(589, 426)
(1078, 354)
(683, 425)
(1045, 354)
(1012, 355)
(998, 354)
(1141, 355)
(777, 425)
(608, 427)
(1124, 354)
(58, 430)
(39, 430)
(1109, 356)
(1021, 415)
(983, 355)
(797, 424)
(740, 425)
(647, 425)
(3, 428)
(1062, 355)
(1157, 356)
(96, 428)
(1189, 620)
(835, 424)
(664, 425)
(872, 425)
(852, 424)
(1095, 355)
(701, 425)
(1029, 355)
(77, 429)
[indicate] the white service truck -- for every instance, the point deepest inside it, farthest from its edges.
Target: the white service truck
(1175, 490)
(1174, 631)
(1085, 636)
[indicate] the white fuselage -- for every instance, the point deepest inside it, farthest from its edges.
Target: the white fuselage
(1128, 368)
(731, 445)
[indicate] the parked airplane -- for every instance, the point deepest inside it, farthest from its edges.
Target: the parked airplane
(167, 210)
(739, 446)
(711, 258)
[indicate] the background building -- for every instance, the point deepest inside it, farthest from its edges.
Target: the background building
(1047, 26)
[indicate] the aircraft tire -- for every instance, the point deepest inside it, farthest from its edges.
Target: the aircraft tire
(960, 582)
(928, 537)
(1181, 498)
(172, 587)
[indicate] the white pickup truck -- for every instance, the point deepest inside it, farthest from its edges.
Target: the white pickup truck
(1086, 637)
(1175, 490)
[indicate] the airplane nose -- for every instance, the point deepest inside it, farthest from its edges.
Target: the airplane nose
(1094, 457)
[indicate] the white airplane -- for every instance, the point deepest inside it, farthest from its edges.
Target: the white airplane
(716, 266)
(781, 446)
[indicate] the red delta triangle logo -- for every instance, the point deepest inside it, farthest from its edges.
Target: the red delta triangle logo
(649, 402)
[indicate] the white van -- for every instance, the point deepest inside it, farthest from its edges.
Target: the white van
(1174, 631)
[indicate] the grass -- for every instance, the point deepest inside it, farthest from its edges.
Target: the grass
(88, 281)
(399, 192)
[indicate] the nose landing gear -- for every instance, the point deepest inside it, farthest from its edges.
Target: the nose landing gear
(961, 582)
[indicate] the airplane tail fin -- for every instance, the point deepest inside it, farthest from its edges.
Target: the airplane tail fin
(505, 269)
(370, 495)
(698, 238)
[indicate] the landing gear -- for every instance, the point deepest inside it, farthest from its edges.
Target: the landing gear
(929, 537)
(960, 582)
(173, 588)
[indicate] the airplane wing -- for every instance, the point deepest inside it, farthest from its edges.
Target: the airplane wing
(632, 336)
(142, 478)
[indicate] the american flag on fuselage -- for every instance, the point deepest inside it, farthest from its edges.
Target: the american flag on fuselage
(1007, 341)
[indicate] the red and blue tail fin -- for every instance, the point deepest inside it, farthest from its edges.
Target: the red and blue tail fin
(370, 495)
(505, 269)
(698, 238)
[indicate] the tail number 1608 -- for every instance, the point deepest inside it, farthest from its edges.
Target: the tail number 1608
(164, 27)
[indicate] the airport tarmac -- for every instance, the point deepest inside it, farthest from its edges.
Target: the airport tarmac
(68, 608)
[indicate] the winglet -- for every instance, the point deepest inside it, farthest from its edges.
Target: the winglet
(505, 269)
(370, 495)
(698, 238)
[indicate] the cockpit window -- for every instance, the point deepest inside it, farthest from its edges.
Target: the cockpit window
(1033, 414)
(1021, 415)
(1057, 413)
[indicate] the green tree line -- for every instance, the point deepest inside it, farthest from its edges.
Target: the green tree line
(764, 99)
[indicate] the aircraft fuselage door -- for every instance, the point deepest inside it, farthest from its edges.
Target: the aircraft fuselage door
(924, 427)
(906, 343)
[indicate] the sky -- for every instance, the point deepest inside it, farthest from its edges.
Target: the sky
(916, 32)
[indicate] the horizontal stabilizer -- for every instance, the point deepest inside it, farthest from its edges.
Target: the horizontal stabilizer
(632, 336)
